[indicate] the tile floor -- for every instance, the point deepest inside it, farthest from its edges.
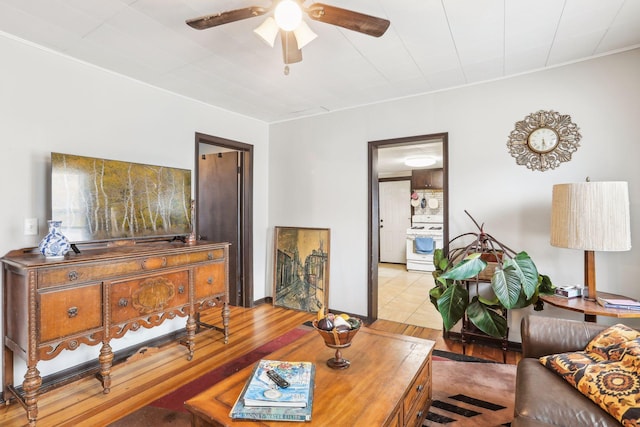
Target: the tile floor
(403, 296)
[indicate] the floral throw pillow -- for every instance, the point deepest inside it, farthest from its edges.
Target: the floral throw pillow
(611, 336)
(607, 372)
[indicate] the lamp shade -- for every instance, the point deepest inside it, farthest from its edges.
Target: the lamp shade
(268, 31)
(304, 34)
(592, 216)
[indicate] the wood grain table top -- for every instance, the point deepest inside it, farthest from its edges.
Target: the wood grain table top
(383, 366)
(590, 308)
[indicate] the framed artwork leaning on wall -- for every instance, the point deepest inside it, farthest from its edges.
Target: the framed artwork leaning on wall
(301, 268)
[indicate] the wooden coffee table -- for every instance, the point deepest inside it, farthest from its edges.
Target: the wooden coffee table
(387, 384)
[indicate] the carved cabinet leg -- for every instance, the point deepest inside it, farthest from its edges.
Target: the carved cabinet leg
(31, 384)
(225, 321)
(191, 334)
(7, 376)
(106, 360)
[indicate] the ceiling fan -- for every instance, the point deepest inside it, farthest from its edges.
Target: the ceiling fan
(287, 21)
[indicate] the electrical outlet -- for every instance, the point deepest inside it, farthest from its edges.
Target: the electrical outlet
(30, 226)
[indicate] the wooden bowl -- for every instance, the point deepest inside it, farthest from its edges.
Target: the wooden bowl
(334, 338)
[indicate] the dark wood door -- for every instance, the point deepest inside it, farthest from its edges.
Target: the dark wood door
(218, 218)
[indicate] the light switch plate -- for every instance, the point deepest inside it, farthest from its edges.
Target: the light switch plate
(30, 226)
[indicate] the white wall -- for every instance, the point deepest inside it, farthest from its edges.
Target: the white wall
(52, 103)
(322, 181)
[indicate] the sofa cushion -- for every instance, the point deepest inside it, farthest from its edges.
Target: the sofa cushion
(607, 372)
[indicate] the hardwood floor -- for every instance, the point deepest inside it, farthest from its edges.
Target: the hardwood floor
(136, 383)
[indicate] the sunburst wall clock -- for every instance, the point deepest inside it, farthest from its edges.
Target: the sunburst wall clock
(543, 140)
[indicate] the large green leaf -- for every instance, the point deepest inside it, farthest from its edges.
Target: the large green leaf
(523, 301)
(544, 285)
(452, 304)
(493, 301)
(487, 320)
(465, 269)
(439, 258)
(435, 294)
(506, 285)
(526, 271)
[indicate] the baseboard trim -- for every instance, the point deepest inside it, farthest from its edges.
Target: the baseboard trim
(269, 300)
(265, 300)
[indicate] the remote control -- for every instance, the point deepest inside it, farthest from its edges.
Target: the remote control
(282, 383)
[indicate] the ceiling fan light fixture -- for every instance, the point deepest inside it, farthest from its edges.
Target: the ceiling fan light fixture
(419, 161)
(304, 34)
(268, 31)
(288, 15)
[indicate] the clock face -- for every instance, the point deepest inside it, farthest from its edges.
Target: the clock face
(543, 140)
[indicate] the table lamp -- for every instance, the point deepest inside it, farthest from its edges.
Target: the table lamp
(592, 216)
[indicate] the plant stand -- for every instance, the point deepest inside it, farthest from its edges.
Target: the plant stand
(470, 333)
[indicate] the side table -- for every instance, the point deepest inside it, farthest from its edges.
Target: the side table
(591, 309)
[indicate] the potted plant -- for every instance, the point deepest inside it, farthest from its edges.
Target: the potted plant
(515, 282)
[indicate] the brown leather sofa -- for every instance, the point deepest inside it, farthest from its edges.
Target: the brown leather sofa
(542, 397)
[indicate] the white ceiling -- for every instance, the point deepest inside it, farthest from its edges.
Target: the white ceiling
(431, 45)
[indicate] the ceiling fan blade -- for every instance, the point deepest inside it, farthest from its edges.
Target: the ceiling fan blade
(216, 19)
(290, 52)
(348, 19)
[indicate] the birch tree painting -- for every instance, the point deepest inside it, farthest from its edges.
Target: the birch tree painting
(99, 199)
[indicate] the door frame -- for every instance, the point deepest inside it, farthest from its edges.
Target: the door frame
(373, 244)
(245, 190)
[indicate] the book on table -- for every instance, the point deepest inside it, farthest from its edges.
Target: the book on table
(623, 303)
(262, 399)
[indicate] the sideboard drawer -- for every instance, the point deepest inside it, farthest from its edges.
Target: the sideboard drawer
(150, 294)
(70, 311)
(65, 275)
(210, 280)
(69, 274)
(210, 255)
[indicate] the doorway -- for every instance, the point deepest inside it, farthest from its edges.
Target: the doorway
(224, 209)
(374, 177)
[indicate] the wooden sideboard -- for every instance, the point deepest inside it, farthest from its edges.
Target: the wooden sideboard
(100, 294)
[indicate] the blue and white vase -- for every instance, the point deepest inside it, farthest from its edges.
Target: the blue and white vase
(54, 245)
